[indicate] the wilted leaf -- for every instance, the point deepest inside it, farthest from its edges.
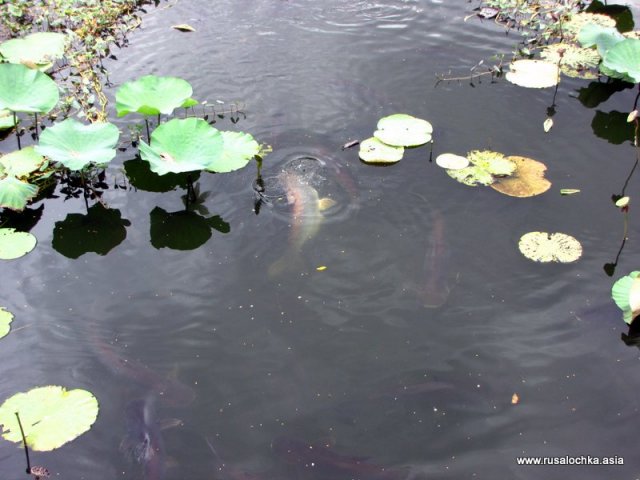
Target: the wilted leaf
(485, 166)
(527, 180)
(579, 20)
(569, 191)
(183, 27)
(550, 247)
(573, 60)
(533, 74)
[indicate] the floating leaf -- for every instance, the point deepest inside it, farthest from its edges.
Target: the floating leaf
(485, 166)
(15, 194)
(527, 180)
(624, 59)
(239, 148)
(51, 416)
(40, 49)
(5, 321)
(548, 123)
(550, 247)
(601, 37)
(373, 150)
(26, 90)
(151, 95)
(402, 130)
(15, 244)
(574, 61)
(452, 161)
(626, 293)
(21, 163)
(75, 145)
(533, 74)
(569, 191)
(182, 145)
(183, 27)
(579, 20)
(6, 119)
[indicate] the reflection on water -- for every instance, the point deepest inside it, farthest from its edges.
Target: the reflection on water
(344, 355)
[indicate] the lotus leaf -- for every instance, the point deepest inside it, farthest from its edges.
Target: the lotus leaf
(602, 37)
(533, 74)
(15, 244)
(6, 119)
(21, 163)
(452, 161)
(574, 61)
(373, 150)
(15, 193)
(402, 130)
(578, 21)
(39, 49)
(626, 293)
(51, 416)
(239, 148)
(527, 181)
(152, 95)
(182, 145)
(5, 322)
(75, 145)
(624, 59)
(26, 90)
(485, 165)
(550, 247)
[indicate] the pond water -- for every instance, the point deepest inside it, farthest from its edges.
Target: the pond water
(408, 348)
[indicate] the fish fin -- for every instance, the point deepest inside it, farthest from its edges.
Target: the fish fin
(326, 203)
(167, 423)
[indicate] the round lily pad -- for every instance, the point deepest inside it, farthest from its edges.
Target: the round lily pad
(15, 193)
(51, 416)
(182, 145)
(5, 321)
(15, 244)
(239, 148)
(626, 293)
(373, 150)
(26, 90)
(527, 180)
(451, 161)
(550, 247)
(151, 95)
(533, 74)
(75, 145)
(402, 130)
(39, 49)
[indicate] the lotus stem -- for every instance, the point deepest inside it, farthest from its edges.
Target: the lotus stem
(15, 125)
(146, 122)
(158, 119)
(36, 122)
(24, 443)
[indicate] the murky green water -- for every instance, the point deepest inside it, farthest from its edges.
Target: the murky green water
(347, 356)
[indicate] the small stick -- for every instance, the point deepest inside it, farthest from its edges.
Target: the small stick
(24, 442)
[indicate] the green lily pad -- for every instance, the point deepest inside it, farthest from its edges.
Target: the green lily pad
(550, 247)
(402, 130)
(626, 293)
(26, 90)
(451, 161)
(15, 193)
(21, 163)
(5, 321)
(6, 119)
(533, 74)
(75, 145)
(51, 416)
(39, 49)
(624, 59)
(602, 37)
(151, 95)
(574, 61)
(239, 149)
(183, 145)
(485, 167)
(15, 244)
(373, 150)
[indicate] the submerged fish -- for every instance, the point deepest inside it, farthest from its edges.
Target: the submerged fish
(170, 391)
(143, 442)
(327, 463)
(433, 289)
(306, 218)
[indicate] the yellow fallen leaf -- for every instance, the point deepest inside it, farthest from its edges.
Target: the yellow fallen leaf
(321, 268)
(515, 399)
(183, 27)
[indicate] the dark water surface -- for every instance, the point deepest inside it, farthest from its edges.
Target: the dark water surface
(261, 364)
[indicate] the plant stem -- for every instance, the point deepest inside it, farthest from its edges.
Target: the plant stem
(15, 124)
(36, 122)
(146, 122)
(158, 119)
(24, 442)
